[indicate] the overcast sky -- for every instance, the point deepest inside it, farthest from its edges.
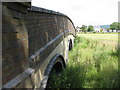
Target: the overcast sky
(87, 12)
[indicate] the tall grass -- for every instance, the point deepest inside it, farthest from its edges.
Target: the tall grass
(92, 64)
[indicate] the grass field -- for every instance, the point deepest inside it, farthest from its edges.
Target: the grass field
(108, 37)
(93, 63)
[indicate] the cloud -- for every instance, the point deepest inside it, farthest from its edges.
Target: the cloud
(88, 12)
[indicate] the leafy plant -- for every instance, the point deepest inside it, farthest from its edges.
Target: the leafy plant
(92, 64)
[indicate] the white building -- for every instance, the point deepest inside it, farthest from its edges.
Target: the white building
(97, 28)
(78, 29)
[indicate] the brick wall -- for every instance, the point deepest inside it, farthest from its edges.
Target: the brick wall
(14, 40)
(25, 30)
(44, 25)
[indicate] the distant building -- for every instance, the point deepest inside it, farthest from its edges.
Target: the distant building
(114, 30)
(105, 27)
(118, 31)
(110, 30)
(97, 28)
(102, 28)
(78, 29)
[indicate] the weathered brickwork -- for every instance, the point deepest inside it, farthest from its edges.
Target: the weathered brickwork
(25, 30)
(44, 26)
(14, 40)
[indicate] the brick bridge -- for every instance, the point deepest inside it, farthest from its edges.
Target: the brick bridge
(22, 28)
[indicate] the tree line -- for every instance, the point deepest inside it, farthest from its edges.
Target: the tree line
(113, 26)
(85, 29)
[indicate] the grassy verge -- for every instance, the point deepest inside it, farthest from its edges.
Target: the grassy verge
(100, 33)
(92, 64)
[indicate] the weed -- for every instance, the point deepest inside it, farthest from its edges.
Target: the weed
(92, 64)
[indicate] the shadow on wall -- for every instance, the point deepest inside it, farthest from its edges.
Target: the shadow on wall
(14, 42)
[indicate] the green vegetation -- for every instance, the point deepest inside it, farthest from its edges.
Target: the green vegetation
(90, 28)
(115, 26)
(84, 28)
(113, 38)
(93, 63)
(98, 33)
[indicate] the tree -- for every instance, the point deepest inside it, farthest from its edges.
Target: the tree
(114, 26)
(90, 28)
(101, 30)
(84, 28)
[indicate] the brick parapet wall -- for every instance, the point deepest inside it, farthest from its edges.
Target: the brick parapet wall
(46, 11)
(45, 26)
(26, 29)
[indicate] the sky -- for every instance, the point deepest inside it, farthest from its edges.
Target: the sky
(84, 12)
